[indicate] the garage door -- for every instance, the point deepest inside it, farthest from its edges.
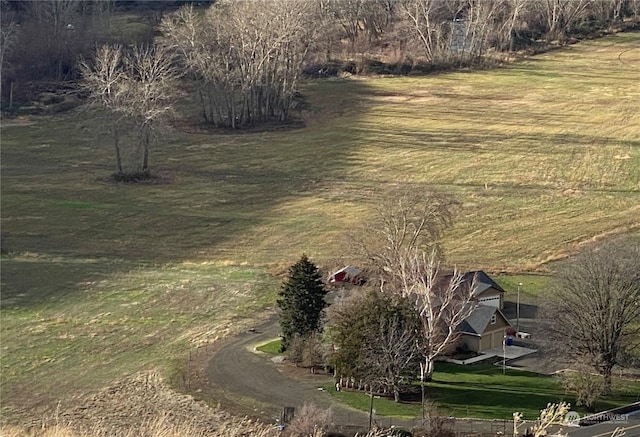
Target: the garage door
(485, 342)
(497, 338)
(493, 301)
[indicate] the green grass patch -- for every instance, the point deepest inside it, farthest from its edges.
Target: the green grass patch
(532, 285)
(482, 391)
(381, 405)
(273, 347)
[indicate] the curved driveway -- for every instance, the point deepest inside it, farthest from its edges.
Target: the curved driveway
(250, 383)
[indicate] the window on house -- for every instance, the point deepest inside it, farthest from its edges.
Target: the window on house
(493, 319)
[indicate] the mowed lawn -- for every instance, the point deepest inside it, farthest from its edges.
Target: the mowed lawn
(100, 279)
(482, 391)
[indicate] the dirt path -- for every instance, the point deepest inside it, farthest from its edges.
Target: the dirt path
(251, 384)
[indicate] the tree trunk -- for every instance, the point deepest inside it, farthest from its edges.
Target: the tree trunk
(146, 134)
(606, 372)
(116, 150)
(428, 369)
(204, 105)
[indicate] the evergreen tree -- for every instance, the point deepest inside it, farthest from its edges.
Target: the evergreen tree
(301, 301)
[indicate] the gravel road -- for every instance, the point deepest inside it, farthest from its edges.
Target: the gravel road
(251, 384)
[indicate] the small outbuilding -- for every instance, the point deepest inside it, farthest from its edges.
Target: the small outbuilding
(348, 275)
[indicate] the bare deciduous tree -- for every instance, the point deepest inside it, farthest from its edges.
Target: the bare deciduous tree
(392, 350)
(587, 387)
(247, 56)
(362, 23)
(429, 20)
(8, 41)
(376, 340)
(515, 8)
(406, 222)
(313, 351)
(402, 245)
(442, 304)
(137, 85)
(560, 15)
(594, 308)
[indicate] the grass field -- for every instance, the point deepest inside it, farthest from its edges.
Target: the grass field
(101, 279)
(482, 391)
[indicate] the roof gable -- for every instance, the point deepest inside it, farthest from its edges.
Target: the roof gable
(482, 281)
(479, 319)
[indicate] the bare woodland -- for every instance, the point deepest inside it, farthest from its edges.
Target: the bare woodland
(247, 57)
(244, 60)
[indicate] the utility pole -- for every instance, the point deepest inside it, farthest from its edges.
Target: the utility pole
(370, 407)
(422, 369)
(518, 310)
(504, 354)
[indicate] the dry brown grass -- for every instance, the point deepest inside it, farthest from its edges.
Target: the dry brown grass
(156, 427)
(141, 405)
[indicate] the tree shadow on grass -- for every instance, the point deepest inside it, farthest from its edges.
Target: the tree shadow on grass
(216, 190)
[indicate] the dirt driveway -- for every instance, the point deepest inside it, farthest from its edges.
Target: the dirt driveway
(251, 384)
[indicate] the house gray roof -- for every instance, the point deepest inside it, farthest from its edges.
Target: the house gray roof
(478, 320)
(483, 282)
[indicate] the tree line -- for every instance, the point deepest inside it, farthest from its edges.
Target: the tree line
(51, 34)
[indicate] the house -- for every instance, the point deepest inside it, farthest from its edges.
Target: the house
(348, 275)
(484, 329)
(486, 291)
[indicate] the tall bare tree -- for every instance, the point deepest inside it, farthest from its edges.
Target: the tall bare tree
(594, 309)
(358, 19)
(514, 10)
(9, 38)
(430, 21)
(442, 303)
(406, 221)
(402, 245)
(560, 15)
(138, 86)
(392, 348)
